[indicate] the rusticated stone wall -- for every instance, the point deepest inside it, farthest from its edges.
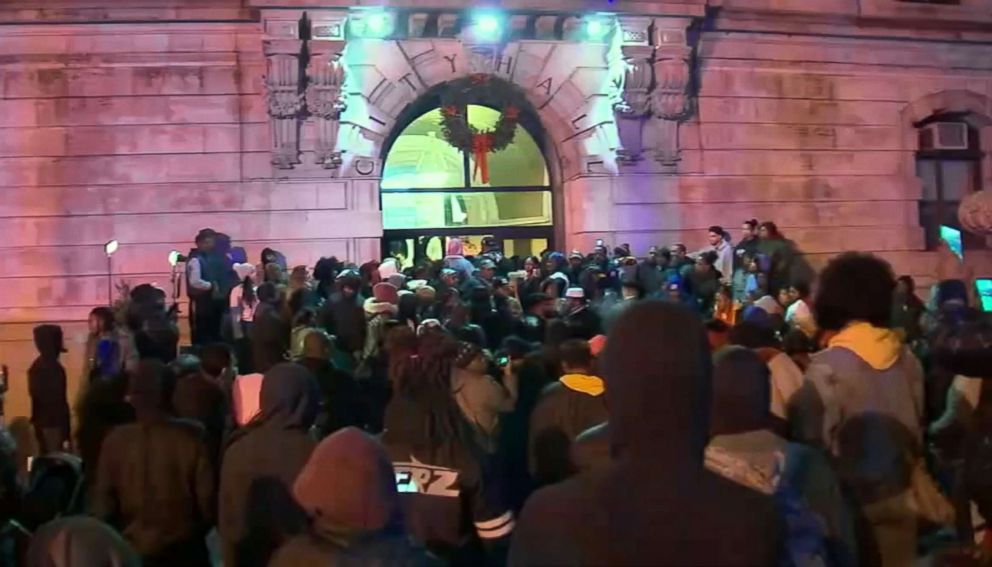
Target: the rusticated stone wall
(145, 121)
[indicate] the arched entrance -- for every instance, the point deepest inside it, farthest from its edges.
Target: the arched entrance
(430, 191)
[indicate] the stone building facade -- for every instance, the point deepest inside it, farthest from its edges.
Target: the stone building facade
(271, 120)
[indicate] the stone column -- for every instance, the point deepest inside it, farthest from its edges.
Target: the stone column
(284, 99)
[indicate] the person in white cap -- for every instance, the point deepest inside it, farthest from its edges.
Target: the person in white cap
(583, 322)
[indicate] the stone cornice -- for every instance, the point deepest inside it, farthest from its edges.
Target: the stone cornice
(693, 8)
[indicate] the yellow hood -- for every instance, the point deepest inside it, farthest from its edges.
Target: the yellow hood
(879, 347)
(591, 385)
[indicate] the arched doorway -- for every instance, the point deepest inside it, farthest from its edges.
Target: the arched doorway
(430, 191)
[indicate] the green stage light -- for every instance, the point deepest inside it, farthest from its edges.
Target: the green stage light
(597, 28)
(378, 25)
(488, 26)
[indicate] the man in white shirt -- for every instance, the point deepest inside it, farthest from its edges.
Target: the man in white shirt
(799, 315)
(719, 242)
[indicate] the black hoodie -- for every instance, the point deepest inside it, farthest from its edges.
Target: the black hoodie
(47, 381)
(656, 504)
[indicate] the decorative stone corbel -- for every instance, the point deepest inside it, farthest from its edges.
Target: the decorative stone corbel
(284, 99)
(635, 100)
(670, 103)
(325, 79)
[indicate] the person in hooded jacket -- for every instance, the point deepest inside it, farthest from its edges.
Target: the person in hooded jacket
(343, 316)
(862, 400)
(155, 482)
(481, 398)
(47, 386)
(270, 330)
(455, 258)
(199, 398)
(257, 512)
(655, 504)
(746, 449)
(348, 490)
(567, 407)
(80, 541)
(342, 403)
(454, 502)
(379, 309)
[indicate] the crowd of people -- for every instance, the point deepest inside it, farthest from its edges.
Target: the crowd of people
(717, 407)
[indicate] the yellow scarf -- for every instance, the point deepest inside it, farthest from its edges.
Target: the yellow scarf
(591, 385)
(879, 347)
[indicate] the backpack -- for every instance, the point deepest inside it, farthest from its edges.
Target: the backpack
(806, 534)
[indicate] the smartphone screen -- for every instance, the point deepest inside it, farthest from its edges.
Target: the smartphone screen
(984, 288)
(952, 237)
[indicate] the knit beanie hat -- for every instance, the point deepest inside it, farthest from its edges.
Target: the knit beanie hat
(397, 280)
(386, 293)
(388, 268)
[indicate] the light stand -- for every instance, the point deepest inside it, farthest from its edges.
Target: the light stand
(109, 248)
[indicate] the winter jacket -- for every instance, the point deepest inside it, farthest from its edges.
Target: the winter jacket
(567, 407)
(155, 484)
(47, 386)
(270, 335)
(454, 499)
(356, 519)
(655, 504)
(345, 319)
(257, 512)
(342, 403)
(863, 402)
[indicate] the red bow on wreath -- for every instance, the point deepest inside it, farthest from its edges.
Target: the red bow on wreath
(482, 144)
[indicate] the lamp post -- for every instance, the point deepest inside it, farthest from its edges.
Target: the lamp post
(109, 248)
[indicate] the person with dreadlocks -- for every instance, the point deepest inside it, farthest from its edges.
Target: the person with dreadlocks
(453, 502)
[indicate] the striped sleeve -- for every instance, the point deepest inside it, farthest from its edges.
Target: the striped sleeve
(496, 528)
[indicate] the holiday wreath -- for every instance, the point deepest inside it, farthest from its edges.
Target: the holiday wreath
(485, 90)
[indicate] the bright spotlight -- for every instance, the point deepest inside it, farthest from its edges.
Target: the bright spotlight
(488, 26)
(597, 27)
(372, 24)
(378, 24)
(174, 257)
(111, 247)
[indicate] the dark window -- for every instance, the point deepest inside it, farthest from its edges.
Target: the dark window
(949, 164)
